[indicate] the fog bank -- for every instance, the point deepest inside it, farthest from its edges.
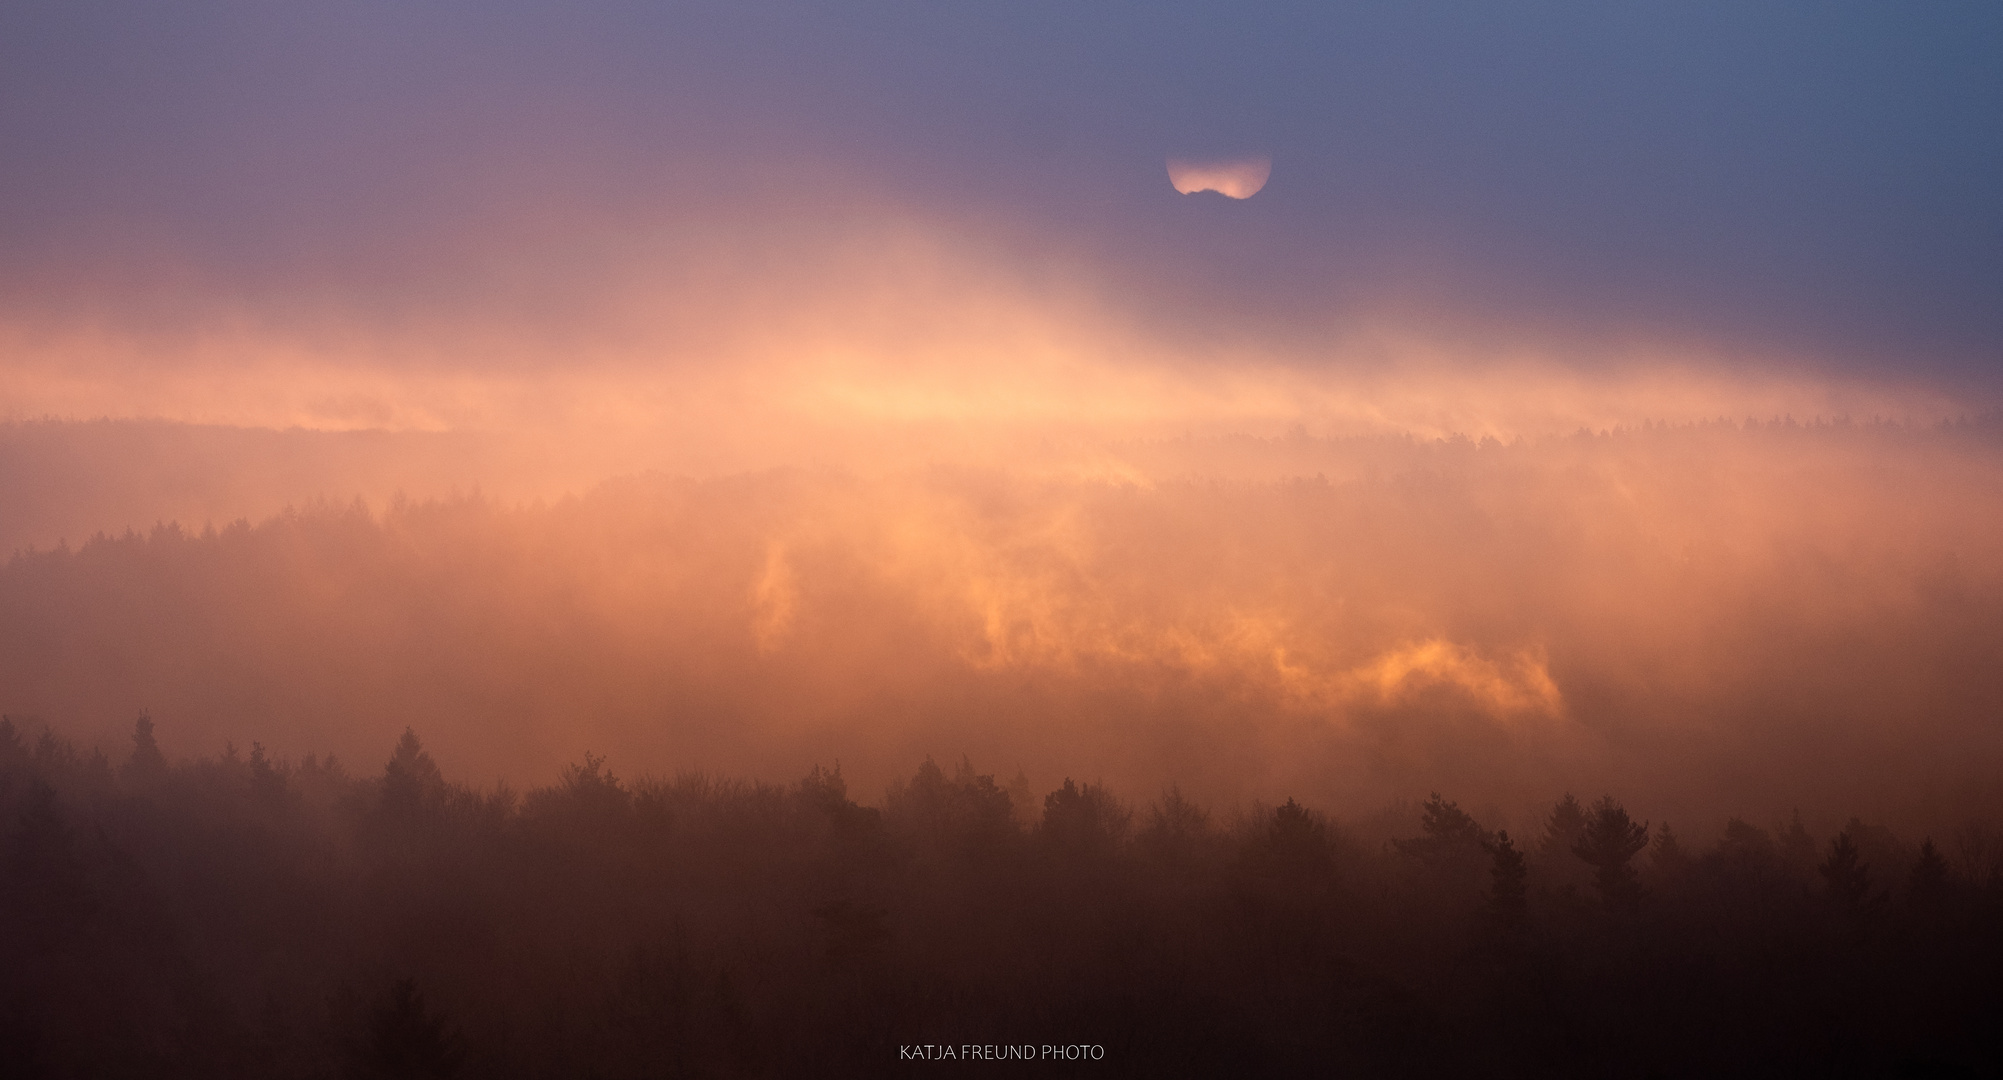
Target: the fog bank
(1711, 619)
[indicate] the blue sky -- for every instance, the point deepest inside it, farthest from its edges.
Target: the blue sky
(1817, 179)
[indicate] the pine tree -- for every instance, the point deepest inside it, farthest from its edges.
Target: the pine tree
(1607, 843)
(1562, 829)
(267, 781)
(411, 781)
(1928, 882)
(1796, 847)
(1449, 833)
(146, 765)
(13, 752)
(1297, 843)
(1666, 856)
(1508, 873)
(41, 877)
(1083, 820)
(1021, 800)
(1175, 826)
(965, 816)
(1845, 872)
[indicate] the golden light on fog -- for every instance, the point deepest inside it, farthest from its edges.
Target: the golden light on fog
(1236, 178)
(1520, 683)
(907, 344)
(892, 470)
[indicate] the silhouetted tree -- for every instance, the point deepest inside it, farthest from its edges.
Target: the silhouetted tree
(1083, 820)
(967, 815)
(827, 792)
(1978, 853)
(1563, 827)
(718, 928)
(44, 881)
(1742, 836)
(54, 755)
(1287, 879)
(1666, 856)
(267, 782)
(1607, 843)
(1928, 881)
(1844, 871)
(1745, 864)
(825, 789)
(1021, 800)
(147, 765)
(411, 780)
(1175, 826)
(1795, 846)
(591, 788)
(1747, 844)
(1296, 844)
(13, 752)
(1508, 874)
(1449, 834)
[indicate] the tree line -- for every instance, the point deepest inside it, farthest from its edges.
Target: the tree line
(248, 915)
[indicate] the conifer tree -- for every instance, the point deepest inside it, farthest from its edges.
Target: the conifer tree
(1508, 873)
(267, 781)
(1845, 872)
(13, 752)
(1562, 829)
(1175, 824)
(147, 764)
(1795, 846)
(1449, 832)
(41, 878)
(1083, 819)
(1607, 843)
(1928, 882)
(1666, 856)
(411, 780)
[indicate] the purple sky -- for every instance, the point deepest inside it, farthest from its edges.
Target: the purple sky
(1814, 179)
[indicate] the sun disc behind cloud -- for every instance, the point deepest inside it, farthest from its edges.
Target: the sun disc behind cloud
(1237, 178)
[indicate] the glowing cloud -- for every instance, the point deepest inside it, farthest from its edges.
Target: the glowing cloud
(1520, 684)
(1237, 178)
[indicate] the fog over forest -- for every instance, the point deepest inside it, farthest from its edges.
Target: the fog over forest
(1178, 538)
(245, 915)
(1715, 619)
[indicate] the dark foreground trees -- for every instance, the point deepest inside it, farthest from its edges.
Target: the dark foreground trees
(1607, 843)
(245, 916)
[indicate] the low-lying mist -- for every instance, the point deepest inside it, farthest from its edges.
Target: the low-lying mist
(1712, 620)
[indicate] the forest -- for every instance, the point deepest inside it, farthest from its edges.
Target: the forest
(1715, 620)
(1666, 751)
(612, 540)
(242, 914)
